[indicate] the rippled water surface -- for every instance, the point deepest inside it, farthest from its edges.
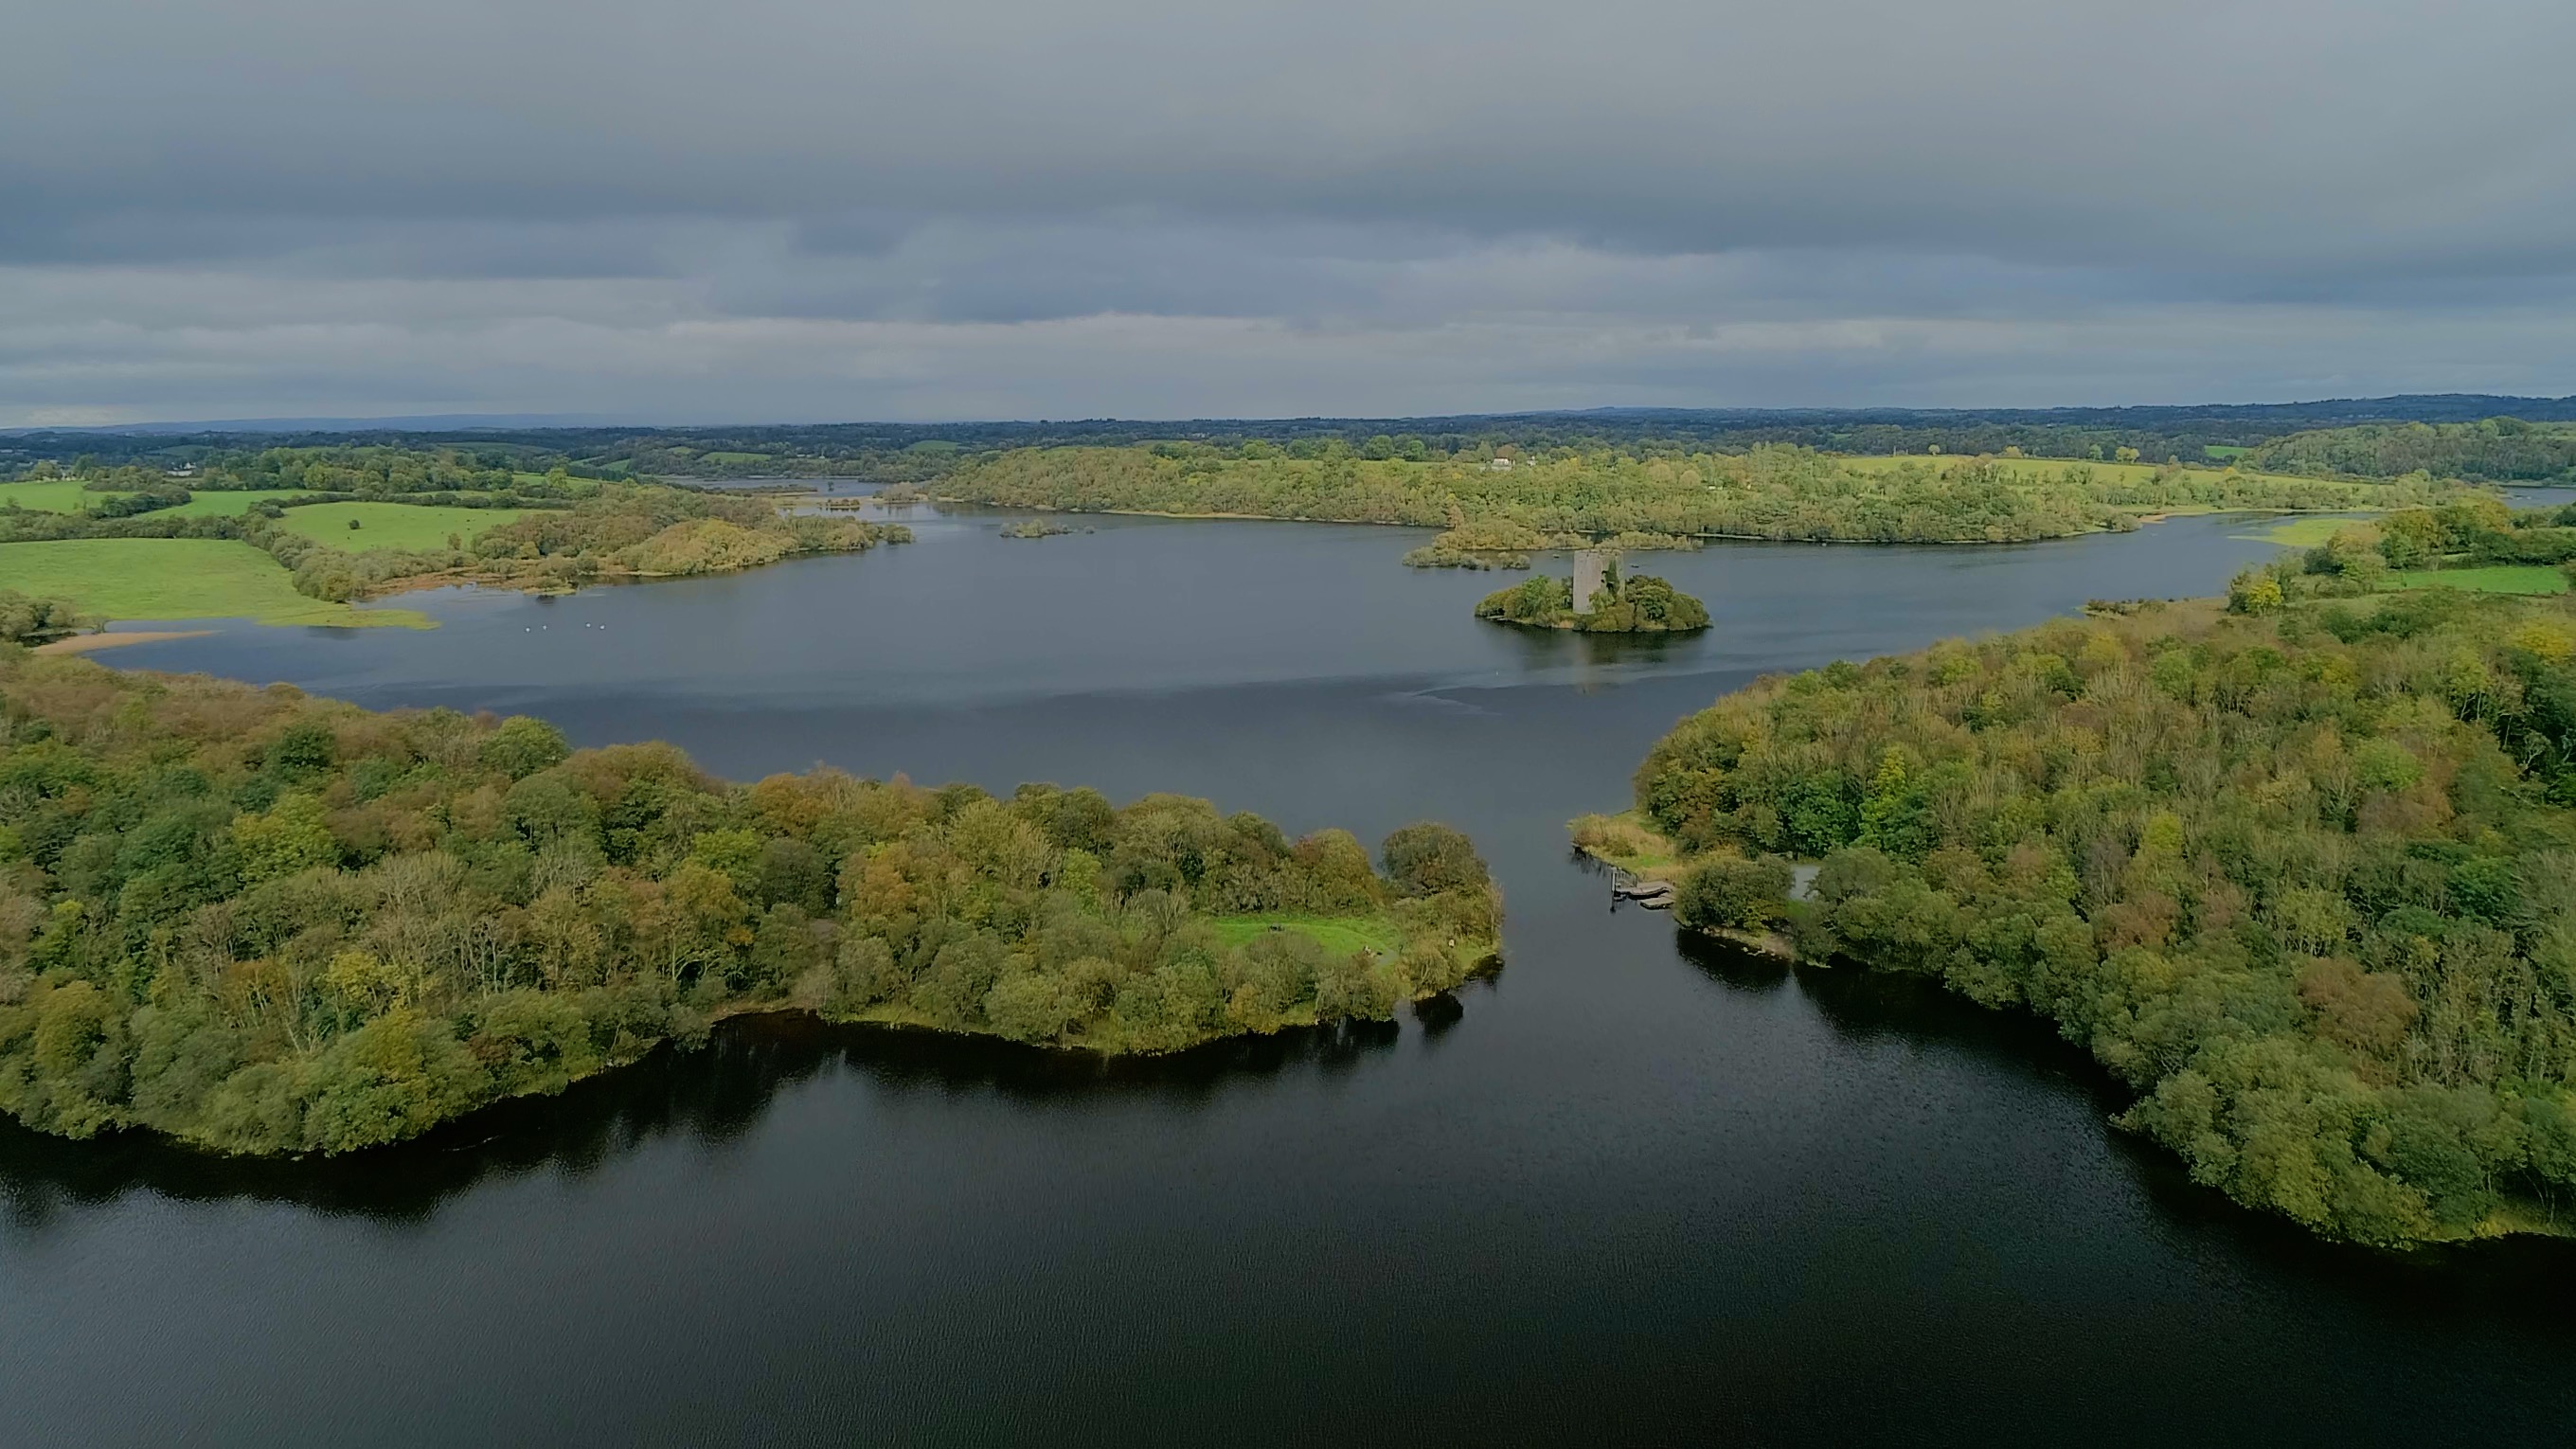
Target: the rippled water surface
(1630, 1190)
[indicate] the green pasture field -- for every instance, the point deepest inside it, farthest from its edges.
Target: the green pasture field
(176, 578)
(2493, 579)
(408, 526)
(67, 496)
(2306, 532)
(55, 496)
(1344, 934)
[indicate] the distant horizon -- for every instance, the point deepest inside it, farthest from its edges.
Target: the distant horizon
(557, 421)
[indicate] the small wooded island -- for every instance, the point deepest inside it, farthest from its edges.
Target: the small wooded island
(1635, 604)
(264, 923)
(2302, 877)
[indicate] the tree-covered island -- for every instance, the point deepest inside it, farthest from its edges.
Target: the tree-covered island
(2303, 879)
(1633, 604)
(264, 923)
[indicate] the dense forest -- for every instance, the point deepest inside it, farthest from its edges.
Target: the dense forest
(1768, 493)
(265, 923)
(2493, 450)
(2305, 881)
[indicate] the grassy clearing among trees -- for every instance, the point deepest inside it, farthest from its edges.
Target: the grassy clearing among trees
(2496, 579)
(46, 495)
(412, 527)
(178, 578)
(1377, 935)
(2305, 882)
(264, 923)
(2300, 532)
(69, 496)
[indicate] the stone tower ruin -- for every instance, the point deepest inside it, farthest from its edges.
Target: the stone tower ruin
(1591, 573)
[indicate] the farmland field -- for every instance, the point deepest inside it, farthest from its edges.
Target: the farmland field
(175, 578)
(2496, 579)
(408, 526)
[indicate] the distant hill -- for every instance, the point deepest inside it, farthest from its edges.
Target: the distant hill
(892, 452)
(424, 422)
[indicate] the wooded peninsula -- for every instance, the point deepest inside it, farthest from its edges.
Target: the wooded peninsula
(1770, 492)
(265, 923)
(2302, 875)
(291, 535)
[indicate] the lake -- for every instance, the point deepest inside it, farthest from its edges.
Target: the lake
(1631, 1189)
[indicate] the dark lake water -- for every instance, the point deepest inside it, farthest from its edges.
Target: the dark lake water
(1630, 1190)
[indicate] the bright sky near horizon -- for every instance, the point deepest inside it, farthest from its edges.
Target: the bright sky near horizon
(792, 209)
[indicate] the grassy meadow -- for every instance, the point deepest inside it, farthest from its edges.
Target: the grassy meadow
(1340, 934)
(61, 495)
(408, 526)
(176, 578)
(2308, 532)
(67, 496)
(2532, 579)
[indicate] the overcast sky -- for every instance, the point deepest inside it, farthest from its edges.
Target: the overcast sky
(758, 210)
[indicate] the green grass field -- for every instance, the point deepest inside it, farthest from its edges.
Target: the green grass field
(393, 525)
(65, 496)
(1334, 933)
(2494, 579)
(176, 578)
(2305, 532)
(60, 496)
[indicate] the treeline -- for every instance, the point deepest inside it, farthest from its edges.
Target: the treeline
(2307, 883)
(919, 452)
(363, 470)
(2495, 450)
(1770, 493)
(266, 923)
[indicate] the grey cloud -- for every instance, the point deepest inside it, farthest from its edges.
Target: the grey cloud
(1161, 206)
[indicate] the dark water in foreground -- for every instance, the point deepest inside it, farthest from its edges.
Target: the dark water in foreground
(1628, 1191)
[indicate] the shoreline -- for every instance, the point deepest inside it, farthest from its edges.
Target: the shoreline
(93, 643)
(886, 1017)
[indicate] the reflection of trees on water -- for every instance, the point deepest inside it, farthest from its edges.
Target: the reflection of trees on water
(711, 1096)
(1861, 1006)
(1541, 649)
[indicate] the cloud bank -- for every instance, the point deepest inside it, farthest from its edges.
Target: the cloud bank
(791, 209)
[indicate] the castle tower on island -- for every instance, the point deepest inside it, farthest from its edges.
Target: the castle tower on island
(1591, 575)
